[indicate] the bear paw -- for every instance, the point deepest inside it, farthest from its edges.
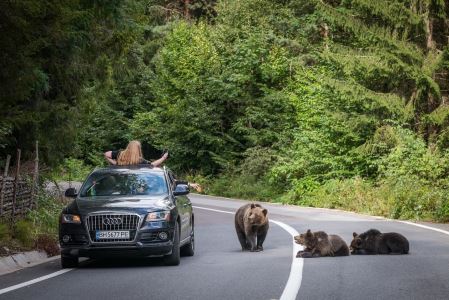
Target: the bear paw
(304, 254)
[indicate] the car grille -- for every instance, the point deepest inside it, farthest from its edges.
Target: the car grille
(112, 222)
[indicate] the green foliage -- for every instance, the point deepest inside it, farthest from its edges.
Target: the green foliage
(403, 198)
(215, 97)
(45, 219)
(411, 182)
(71, 170)
(23, 232)
(39, 228)
(243, 187)
(300, 100)
(4, 232)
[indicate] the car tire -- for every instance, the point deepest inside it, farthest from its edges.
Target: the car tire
(189, 249)
(175, 257)
(69, 261)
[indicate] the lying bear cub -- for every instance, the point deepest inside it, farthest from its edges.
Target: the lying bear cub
(319, 243)
(251, 224)
(375, 242)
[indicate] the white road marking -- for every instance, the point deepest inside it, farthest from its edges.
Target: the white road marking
(425, 226)
(39, 279)
(291, 289)
(294, 280)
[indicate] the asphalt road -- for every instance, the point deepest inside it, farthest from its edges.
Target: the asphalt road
(219, 270)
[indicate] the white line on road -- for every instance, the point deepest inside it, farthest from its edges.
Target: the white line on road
(39, 279)
(426, 227)
(294, 279)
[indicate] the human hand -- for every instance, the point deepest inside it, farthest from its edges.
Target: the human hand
(197, 187)
(165, 155)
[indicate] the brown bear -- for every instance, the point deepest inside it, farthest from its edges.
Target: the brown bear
(251, 224)
(319, 243)
(300, 239)
(375, 242)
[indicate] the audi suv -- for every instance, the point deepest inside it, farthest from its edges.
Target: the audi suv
(127, 211)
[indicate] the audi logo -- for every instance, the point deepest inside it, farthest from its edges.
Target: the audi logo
(112, 221)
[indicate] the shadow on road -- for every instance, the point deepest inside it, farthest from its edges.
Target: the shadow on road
(121, 263)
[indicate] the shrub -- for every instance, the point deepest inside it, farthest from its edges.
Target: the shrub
(48, 243)
(71, 169)
(23, 232)
(46, 217)
(243, 186)
(4, 232)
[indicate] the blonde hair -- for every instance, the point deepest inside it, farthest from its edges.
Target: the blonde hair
(132, 155)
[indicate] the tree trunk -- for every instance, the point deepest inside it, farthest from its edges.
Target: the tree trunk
(186, 9)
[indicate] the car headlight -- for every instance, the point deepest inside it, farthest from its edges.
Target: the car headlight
(67, 218)
(158, 216)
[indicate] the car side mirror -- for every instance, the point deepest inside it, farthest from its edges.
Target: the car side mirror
(71, 193)
(181, 189)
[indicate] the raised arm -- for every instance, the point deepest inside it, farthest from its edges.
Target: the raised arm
(108, 156)
(196, 186)
(160, 161)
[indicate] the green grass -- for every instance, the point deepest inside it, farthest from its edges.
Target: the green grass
(239, 186)
(38, 229)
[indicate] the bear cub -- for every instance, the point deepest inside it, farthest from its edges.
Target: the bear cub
(251, 225)
(375, 242)
(319, 243)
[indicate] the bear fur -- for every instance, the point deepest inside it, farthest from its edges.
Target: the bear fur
(319, 243)
(375, 242)
(251, 225)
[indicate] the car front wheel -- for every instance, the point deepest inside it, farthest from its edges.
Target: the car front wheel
(175, 257)
(189, 249)
(69, 261)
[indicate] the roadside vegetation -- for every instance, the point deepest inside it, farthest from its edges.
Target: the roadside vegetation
(325, 103)
(37, 230)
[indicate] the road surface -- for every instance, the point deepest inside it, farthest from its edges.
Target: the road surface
(219, 270)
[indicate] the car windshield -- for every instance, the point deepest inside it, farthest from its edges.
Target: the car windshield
(124, 184)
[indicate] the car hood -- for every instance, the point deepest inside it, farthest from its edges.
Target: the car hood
(121, 204)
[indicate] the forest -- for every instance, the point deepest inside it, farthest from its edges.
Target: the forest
(323, 103)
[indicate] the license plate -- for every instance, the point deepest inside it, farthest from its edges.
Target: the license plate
(104, 235)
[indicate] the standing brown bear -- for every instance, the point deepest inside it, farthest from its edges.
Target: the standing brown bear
(251, 224)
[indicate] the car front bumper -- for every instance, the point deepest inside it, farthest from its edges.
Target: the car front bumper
(137, 249)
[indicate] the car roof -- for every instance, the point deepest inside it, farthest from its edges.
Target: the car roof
(130, 169)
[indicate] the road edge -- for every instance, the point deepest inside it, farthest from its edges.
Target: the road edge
(19, 261)
(408, 222)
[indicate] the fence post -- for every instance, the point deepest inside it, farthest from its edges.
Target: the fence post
(5, 174)
(34, 201)
(16, 181)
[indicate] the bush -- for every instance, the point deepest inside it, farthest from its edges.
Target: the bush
(72, 169)
(46, 217)
(404, 198)
(48, 243)
(244, 187)
(23, 232)
(4, 232)
(38, 230)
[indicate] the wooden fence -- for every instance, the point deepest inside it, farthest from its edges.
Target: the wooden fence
(18, 193)
(15, 202)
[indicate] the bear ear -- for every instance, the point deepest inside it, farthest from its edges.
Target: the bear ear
(253, 205)
(265, 211)
(309, 233)
(354, 234)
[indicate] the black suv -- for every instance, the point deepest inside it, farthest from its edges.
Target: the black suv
(128, 211)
